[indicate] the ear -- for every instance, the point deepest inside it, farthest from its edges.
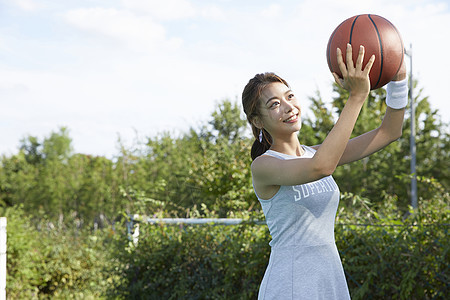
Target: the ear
(257, 122)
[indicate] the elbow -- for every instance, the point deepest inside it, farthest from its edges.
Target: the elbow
(323, 167)
(396, 135)
(390, 135)
(329, 171)
(392, 127)
(325, 170)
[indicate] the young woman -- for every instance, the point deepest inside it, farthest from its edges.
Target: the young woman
(293, 182)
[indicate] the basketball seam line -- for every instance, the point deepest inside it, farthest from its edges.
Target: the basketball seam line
(403, 46)
(351, 30)
(381, 49)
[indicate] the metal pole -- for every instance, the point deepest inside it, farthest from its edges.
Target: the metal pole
(413, 135)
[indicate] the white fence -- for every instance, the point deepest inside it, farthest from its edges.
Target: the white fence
(133, 223)
(2, 258)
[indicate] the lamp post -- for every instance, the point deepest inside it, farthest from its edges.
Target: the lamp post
(412, 144)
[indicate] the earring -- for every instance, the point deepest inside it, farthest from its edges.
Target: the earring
(261, 136)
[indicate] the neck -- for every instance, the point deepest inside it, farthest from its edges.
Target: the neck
(289, 145)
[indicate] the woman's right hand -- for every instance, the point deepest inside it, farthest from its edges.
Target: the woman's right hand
(355, 77)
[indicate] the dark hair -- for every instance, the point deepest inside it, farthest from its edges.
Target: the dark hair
(250, 102)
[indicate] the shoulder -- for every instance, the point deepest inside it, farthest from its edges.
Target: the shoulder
(263, 168)
(264, 160)
(263, 164)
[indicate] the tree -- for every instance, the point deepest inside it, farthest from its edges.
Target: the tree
(385, 173)
(207, 169)
(45, 176)
(227, 122)
(208, 166)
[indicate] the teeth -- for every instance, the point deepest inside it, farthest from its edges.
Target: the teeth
(291, 118)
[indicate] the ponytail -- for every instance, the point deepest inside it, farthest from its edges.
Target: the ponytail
(261, 144)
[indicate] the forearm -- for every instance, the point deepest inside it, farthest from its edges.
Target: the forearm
(375, 140)
(334, 145)
(392, 124)
(396, 101)
(372, 141)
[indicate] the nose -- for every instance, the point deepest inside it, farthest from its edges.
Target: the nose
(288, 106)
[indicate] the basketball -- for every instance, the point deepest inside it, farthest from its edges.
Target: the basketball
(378, 36)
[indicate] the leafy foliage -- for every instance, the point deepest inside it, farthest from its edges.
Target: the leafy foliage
(52, 261)
(385, 258)
(167, 175)
(387, 171)
(185, 262)
(62, 207)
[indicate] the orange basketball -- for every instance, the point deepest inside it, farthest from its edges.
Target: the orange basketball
(378, 36)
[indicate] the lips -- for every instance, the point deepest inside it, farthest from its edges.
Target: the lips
(291, 119)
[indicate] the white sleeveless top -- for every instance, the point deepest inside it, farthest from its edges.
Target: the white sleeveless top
(304, 262)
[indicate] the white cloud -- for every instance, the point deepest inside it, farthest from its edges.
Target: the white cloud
(27, 5)
(274, 10)
(162, 10)
(11, 88)
(137, 32)
(213, 12)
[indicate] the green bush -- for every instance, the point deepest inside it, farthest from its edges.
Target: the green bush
(192, 262)
(53, 261)
(23, 256)
(395, 261)
(384, 259)
(390, 255)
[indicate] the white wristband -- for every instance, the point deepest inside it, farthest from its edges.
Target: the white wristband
(397, 94)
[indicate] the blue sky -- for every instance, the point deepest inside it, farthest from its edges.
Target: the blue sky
(124, 67)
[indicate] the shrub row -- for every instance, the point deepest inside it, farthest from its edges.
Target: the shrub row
(405, 260)
(228, 262)
(46, 260)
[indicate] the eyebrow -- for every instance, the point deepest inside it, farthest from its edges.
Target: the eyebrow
(275, 97)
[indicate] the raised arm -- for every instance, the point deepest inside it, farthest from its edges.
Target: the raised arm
(390, 128)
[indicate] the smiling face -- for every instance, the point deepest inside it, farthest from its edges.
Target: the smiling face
(279, 110)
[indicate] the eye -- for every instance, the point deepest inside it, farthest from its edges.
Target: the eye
(274, 104)
(291, 96)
